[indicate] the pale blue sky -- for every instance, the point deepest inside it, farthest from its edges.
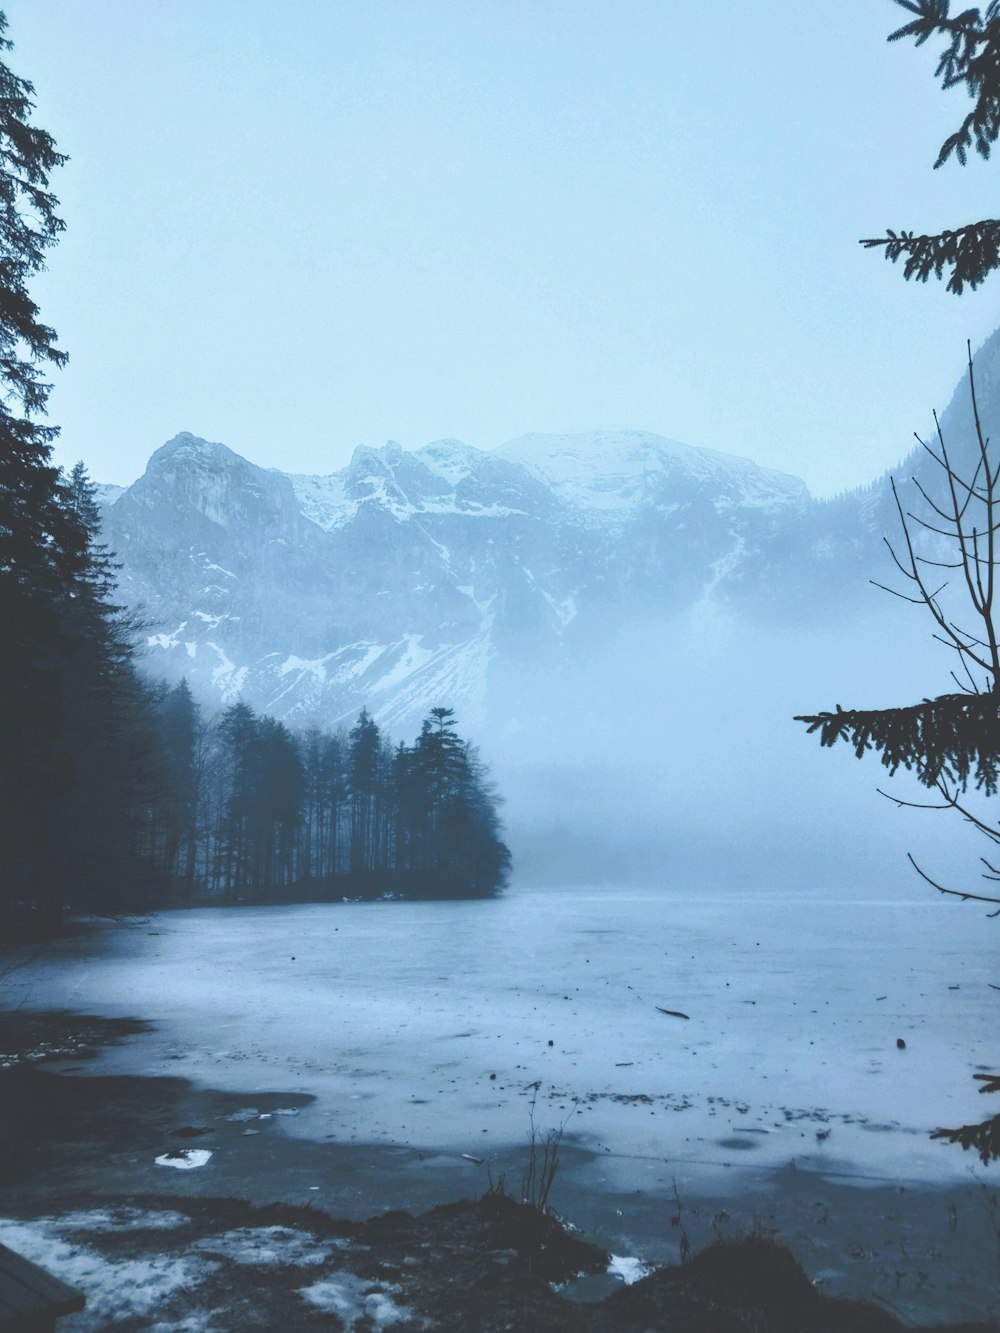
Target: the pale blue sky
(297, 228)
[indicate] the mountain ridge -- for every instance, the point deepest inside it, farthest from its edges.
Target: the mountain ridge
(412, 577)
(407, 576)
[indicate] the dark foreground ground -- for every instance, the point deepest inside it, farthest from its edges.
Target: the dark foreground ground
(172, 1259)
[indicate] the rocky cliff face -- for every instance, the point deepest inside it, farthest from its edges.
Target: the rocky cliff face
(409, 578)
(404, 578)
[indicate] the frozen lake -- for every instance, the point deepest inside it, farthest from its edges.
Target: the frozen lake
(427, 1023)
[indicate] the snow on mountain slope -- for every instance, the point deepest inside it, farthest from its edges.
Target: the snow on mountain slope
(106, 493)
(450, 459)
(446, 477)
(410, 578)
(619, 470)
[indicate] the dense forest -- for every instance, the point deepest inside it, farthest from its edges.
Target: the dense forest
(252, 811)
(119, 795)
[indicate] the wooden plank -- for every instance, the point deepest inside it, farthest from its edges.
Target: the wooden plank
(33, 1276)
(28, 1290)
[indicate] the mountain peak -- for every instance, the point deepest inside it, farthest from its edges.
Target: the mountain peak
(619, 470)
(449, 458)
(188, 448)
(189, 473)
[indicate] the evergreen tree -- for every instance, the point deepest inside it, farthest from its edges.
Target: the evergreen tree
(237, 730)
(406, 814)
(453, 833)
(43, 545)
(276, 796)
(180, 738)
(313, 804)
(78, 755)
(244, 810)
(488, 859)
(334, 836)
(109, 825)
(970, 59)
(365, 782)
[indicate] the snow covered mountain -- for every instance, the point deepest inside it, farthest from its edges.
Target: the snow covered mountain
(406, 578)
(622, 471)
(626, 624)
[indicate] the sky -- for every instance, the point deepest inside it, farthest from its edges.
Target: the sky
(300, 228)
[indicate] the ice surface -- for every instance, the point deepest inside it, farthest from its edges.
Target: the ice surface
(396, 1015)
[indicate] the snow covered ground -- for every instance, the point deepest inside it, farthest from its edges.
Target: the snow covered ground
(428, 1023)
(135, 1291)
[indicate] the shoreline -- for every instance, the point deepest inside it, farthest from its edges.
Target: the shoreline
(78, 1140)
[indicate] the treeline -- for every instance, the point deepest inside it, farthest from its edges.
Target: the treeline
(118, 795)
(80, 763)
(257, 812)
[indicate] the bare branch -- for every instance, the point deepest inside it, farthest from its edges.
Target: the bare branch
(954, 893)
(950, 744)
(916, 601)
(941, 513)
(912, 805)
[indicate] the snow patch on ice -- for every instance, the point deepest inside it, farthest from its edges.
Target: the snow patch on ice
(628, 1269)
(184, 1159)
(201, 1321)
